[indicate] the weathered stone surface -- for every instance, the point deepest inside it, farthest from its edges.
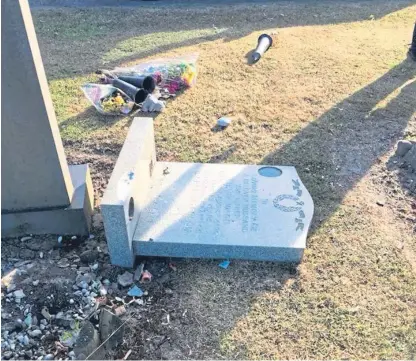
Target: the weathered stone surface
(202, 210)
(109, 323)
(125, 279)
(410, 157)
(403, 146)
(35, 173)
(225, 211)
(89, 256)
(88, 341)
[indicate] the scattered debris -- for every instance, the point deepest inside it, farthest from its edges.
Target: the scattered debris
(19, 295)
(380, 202)
(126, 356)
(63, 263)
(146, 277)
(26, 239)
(89, 256)
(138, 272)
(135, 292)
(223, 122)
(60, 239)
(45, 313)
(166, 171)
(224, 264)
(126, 279)
(152, 104)
(120, 310)
(173, 266)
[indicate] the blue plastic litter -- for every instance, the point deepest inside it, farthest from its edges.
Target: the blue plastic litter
(135, 292)
(224, 264)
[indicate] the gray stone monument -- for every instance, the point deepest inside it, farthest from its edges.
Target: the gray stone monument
(220, 211)
(40, 192)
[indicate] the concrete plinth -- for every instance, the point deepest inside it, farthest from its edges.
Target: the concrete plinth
(202, 210)
(71, 220)
(40, 193)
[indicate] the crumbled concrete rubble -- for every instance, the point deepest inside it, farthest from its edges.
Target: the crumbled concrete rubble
(54, 291)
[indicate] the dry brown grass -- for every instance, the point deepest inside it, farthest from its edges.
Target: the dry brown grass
(331, 97)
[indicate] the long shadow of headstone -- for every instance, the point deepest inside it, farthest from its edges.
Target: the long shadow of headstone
(334, 152)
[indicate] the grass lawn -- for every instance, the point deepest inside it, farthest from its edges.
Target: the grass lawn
(332, 97)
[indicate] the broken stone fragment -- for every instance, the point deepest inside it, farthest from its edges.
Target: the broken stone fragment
(126, 279)
(110, 323)
(403, 146)
(87, 342)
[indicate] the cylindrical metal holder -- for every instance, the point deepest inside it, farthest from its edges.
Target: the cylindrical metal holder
(136, 94)
(264, 43)
(144, 82)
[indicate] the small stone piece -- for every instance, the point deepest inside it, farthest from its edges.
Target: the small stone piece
(11, 287)
(24, 239)
(19, 294)
(126, 279)
(28, 320)
(89, 256)
(45, 313)
(87, 278)
(29, 354)
(403, 146)
(120, 310)
(103, 291)
(7, 355)
(63, 263)
(35, 283)
(49, 356)
(380, 202)
(36, 333)
(224, 122)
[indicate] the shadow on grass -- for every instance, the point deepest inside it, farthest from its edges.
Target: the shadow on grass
(108, 28)
(331, 155)
(335, 152)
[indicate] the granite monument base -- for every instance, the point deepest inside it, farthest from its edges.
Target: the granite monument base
(72, 220)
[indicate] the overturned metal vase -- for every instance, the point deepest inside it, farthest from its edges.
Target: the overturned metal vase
(144, 82)
(136, 94)
(263, 44)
